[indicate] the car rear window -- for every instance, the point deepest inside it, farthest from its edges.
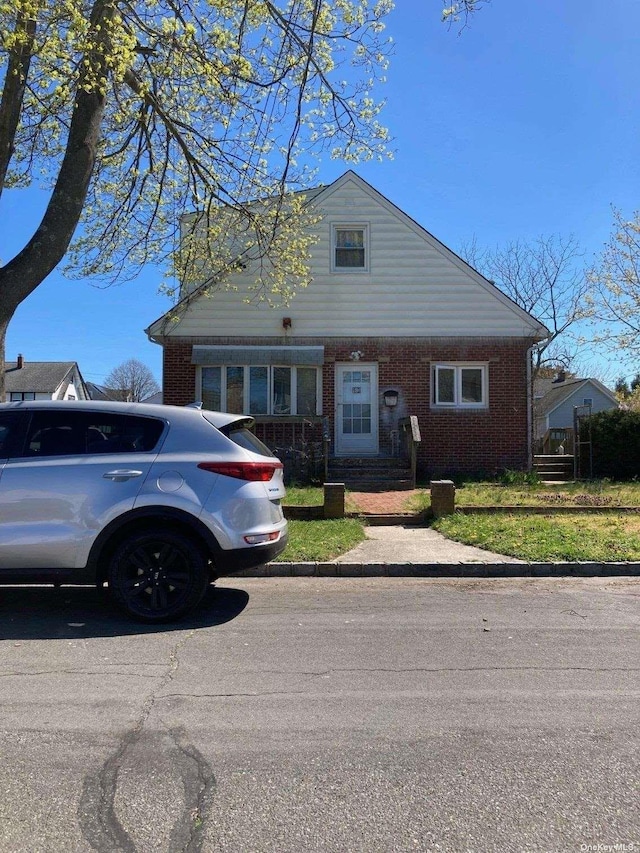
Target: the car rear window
(245, 438)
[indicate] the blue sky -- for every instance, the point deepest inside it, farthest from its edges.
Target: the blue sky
(528, 123)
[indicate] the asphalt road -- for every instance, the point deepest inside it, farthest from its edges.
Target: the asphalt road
(325, 714)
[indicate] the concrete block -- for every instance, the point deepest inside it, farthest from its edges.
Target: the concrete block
(443, 497)
(334, 500)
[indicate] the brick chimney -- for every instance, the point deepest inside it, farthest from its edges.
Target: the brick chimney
(20, 362)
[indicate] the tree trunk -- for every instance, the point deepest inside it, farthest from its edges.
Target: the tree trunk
(4, 322)
(48, 245)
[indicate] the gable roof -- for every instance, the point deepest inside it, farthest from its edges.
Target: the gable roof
(42, 377)
(560, 392)
(535, 329)
(436, 244)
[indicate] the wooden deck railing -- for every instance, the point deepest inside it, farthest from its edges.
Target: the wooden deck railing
(299, 441)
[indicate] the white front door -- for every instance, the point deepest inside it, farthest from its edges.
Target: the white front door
(356, 409)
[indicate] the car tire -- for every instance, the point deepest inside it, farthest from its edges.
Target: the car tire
(158, 575)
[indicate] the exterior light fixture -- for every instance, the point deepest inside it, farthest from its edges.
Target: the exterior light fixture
(390, 398)
(286, 322)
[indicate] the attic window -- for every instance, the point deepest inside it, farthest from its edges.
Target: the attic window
(350, 249)
(587, 401)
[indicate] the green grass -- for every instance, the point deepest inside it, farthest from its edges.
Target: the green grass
(304, 496)
(313, 496)
(549, 537)
(597, 493)
(317, 541)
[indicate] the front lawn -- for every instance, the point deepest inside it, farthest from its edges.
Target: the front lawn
(304, 496)
(550, 537)
(596, 493)
(318, 541)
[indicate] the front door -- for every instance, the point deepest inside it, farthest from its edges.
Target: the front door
(356, 409)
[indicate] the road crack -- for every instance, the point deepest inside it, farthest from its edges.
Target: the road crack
(97, 814)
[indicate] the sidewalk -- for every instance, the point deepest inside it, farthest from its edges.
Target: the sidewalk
(417, 545)
(414, 551)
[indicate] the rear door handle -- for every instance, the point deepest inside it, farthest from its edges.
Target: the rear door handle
(121, 476)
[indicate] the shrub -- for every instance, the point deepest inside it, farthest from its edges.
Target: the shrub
(615, 438)
(519, 478)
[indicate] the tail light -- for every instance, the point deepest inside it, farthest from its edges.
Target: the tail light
(254, 472)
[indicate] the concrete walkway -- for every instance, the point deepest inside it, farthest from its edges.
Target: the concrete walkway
(413, 544)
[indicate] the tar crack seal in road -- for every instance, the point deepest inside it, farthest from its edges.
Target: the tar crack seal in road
(98, 811)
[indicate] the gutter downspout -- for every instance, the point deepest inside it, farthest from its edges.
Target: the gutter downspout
(529, 410)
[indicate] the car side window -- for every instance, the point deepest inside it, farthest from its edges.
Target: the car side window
(79, 433)
(112, 433)
(11, 433)
(54, 434)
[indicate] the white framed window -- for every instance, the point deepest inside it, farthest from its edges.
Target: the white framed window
(460, 386)
(587, 401)
(261, 389)
(350, 248)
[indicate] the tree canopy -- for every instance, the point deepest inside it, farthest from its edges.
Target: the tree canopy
(133, 113)
(616, 278)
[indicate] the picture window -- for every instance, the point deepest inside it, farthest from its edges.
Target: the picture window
(261, 389)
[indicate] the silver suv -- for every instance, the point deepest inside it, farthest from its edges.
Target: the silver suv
(154, 500)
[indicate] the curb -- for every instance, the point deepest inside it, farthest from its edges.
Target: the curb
(440, 570)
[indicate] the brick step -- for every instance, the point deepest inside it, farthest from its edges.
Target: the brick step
(355, 479)
(370, 470)
(370, 474)
(378, 463)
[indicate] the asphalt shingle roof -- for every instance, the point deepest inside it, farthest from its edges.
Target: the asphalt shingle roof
(38, 376)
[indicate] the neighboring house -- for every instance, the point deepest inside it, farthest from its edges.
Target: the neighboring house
(43, 380)
(98, 392)
(554, 404)
(101, 392)
(153, 398)
(393, 325)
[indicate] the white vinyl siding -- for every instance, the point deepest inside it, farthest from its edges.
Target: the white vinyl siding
(412, 286)
(260, 389)
(460, 386)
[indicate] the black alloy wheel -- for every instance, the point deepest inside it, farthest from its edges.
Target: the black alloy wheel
(158, 575)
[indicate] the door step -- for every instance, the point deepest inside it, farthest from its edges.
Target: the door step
(376, 474)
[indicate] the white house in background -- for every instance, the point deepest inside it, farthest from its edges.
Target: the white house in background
(554, 401)
(43, 380)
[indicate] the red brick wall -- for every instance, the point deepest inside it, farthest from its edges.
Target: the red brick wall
(472, 441)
